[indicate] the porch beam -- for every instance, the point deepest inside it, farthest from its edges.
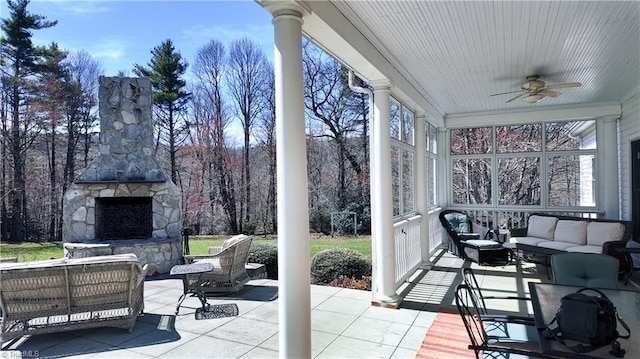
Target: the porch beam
(533, 115)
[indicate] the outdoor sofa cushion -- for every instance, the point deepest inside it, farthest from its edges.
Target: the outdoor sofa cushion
(572, 232)
(599, 233)
(542, 227)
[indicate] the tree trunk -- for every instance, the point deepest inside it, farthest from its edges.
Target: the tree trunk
(18, 193)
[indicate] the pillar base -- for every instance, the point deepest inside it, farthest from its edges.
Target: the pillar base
(387, 302)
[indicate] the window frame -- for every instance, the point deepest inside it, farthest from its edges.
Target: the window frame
(403, 144)
(544, 156)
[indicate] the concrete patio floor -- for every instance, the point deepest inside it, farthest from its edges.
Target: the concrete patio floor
(344, 324)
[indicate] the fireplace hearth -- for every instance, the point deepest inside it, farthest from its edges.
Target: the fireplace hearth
(123, 202)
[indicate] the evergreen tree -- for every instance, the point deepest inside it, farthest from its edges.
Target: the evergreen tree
(20, 57)
(165, 71)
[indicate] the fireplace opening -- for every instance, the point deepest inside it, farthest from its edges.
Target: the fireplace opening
(124, 218)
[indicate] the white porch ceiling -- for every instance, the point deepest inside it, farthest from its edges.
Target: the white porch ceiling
(457, 53)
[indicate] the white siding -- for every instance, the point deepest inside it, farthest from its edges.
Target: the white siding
(629, 131)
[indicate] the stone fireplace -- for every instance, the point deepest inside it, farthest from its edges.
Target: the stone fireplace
(123, 202)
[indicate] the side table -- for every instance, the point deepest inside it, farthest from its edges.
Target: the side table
(184, 270)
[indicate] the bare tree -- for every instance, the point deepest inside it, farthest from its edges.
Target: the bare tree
(81, 109)
(266, 137)
(210, 122)
(247, 68)
(326, 94)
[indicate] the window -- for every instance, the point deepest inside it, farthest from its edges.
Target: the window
(571, 181)
(407, 181)
(519, 181)
(468, 141)
(394, 118)
(432, 160)
(402, 159)
(471, 181)
(510, 174)
(519, 138)
(395, 179)
(407, 127)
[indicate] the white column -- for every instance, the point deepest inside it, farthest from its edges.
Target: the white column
(293, 211)
(381, 200)
(422, 199)
(609, 171)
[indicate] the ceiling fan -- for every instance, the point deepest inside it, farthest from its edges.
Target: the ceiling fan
(535, 90)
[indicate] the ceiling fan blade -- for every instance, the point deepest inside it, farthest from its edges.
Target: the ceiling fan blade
(504, 93)
(515, 98)
(550, 93)
(564, 86)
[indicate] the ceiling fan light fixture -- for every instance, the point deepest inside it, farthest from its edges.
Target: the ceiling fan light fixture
(533, 98)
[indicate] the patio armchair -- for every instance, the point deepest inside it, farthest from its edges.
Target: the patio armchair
(522, 339)
(467, 239)
(229, 274)
(585, 270)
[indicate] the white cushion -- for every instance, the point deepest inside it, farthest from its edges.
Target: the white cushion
(542, 227)
(585, 249)
(35, 264)
(571, 232)
(600, 232)
(532, 241)
(124, 257)
(233, 240)
(562, 246)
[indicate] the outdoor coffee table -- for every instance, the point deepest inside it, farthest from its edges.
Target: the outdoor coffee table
(184, 270)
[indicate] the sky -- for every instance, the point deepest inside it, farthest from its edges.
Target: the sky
(122, 33)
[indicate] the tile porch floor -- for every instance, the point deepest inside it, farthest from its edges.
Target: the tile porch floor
(344, 324)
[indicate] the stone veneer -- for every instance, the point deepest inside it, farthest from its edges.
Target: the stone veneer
(125, 167)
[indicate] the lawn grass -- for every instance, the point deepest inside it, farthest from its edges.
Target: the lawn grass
(32, 251)
(197, 245)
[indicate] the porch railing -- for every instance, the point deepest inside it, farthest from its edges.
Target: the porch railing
(406, 234)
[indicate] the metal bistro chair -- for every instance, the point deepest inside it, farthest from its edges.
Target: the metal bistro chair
(485, 344)
(485, 316)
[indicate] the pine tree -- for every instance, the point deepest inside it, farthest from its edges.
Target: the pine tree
(165, 71)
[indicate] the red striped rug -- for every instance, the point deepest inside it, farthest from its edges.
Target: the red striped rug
(446, 339)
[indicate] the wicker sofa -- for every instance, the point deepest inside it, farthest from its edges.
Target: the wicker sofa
(67, 294)
(573, 234)
(547, 234)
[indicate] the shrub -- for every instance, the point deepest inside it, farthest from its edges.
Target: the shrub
(363, 283)
(266, 254)
(332, 263)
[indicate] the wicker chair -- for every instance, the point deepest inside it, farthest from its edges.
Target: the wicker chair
(229, 274)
